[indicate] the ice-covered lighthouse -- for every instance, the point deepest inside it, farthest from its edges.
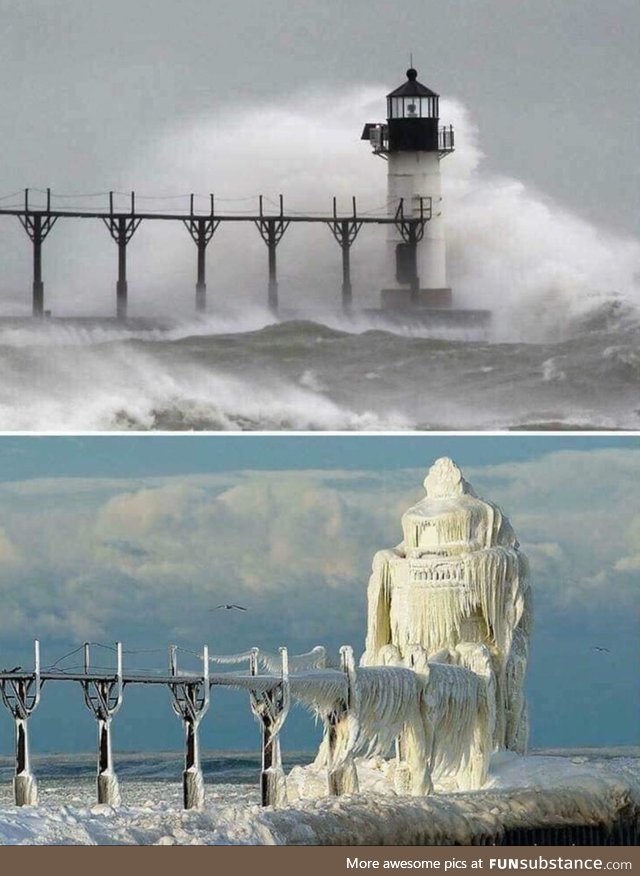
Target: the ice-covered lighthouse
(413, 142)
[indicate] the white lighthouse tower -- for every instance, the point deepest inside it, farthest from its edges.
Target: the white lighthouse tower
(413, 143)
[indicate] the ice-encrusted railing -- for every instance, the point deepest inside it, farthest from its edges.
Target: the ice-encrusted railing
(266, 679)
(437, 715)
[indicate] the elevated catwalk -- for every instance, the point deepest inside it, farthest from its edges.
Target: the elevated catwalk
(39, 218)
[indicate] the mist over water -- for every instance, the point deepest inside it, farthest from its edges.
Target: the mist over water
(562, 349)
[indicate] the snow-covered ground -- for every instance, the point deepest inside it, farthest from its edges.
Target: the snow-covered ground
(590, 787)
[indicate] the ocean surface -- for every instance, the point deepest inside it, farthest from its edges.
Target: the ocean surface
(230, 777)
(329, 374)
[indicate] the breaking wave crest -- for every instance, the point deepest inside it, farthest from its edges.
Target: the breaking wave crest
(309, 376)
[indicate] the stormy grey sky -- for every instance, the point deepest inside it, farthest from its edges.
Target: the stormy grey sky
(551, 84)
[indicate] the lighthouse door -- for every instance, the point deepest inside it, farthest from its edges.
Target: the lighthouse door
(406, 265)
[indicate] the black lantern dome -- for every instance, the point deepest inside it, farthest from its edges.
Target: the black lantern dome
(413, 122)
(413, 116)
(412, 100)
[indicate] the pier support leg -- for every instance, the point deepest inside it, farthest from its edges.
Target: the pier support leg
(414, 288)
(413, 770)
(103, 698)
(122, 227)
(273, 790)
(345, 232)
(37, 225)
(273, 272)
(25, 787)
(347, 291)
(108, 788)
(38, 286)
(122, 286)
(272, 229)
(190, 702)
(201, 229)
(270, 708)
(192, 778)
(342, 776)
(201, 284)
(402, 775)
(21, 694)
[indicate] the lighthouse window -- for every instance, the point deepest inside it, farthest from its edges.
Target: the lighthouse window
(413, 107)
(405, 107)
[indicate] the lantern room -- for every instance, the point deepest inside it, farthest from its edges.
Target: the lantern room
(413, 117)
(413, 122)
(412, 100)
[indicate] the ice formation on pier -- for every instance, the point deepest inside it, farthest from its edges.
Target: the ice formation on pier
(456, 586)
(378, 704)
(447, 644)
(441, 715)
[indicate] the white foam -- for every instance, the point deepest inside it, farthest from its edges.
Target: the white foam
(120, 387)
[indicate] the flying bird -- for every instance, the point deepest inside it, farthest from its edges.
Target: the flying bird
(228, 607)
(598, 648)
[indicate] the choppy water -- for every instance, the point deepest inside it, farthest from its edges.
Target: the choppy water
(316, 375)
(231, 777)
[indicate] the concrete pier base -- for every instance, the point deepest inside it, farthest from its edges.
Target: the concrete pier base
(109, 789)
(403, 298)
(193, 789)
(402, 780)
(430, 317)
(343, 779)
(25, 789)
(273, 785)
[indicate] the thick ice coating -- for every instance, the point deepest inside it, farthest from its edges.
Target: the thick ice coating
(457, 581)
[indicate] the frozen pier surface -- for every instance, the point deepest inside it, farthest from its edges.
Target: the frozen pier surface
(536, 799)
(582, 799)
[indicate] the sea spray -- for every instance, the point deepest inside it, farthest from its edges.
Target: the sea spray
(542, 270)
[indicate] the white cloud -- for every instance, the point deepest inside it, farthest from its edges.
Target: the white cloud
(587, 503)
(9, 554)
(631, 561)
(83, 556)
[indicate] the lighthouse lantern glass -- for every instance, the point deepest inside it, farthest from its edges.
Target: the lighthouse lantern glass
(413, 107)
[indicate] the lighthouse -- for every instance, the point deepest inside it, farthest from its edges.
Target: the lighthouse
(413, 143)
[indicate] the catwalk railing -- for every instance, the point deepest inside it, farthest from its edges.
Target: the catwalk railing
(104, 689)
(202, 219)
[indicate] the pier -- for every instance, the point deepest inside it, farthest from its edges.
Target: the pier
(190, 695)
(272, 682)
(39, 210)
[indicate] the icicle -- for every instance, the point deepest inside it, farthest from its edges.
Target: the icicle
(378, 632)
(457, 580)
(456, 706)
(314, 659)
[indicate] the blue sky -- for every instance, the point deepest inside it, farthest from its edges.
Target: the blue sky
(146, 456)
(135, 538)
